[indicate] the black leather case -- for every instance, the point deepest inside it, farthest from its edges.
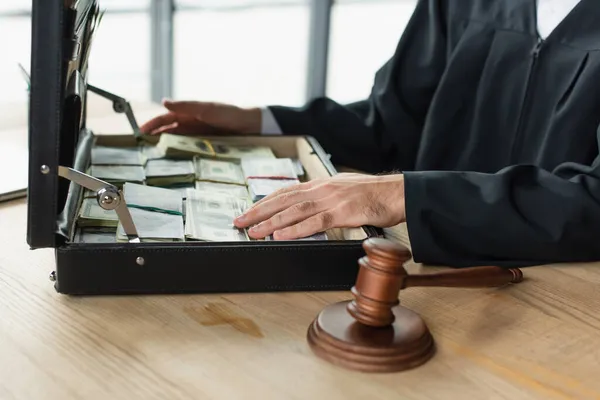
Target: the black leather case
(58, 136)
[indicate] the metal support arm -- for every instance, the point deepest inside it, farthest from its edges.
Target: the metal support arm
(109, 197)
(120, 105)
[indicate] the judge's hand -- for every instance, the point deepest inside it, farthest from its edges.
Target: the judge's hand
(343, 201)
(201, 118)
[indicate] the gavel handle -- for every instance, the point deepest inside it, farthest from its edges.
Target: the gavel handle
(474, 277)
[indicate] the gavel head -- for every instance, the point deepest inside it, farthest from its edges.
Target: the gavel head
(380, 278)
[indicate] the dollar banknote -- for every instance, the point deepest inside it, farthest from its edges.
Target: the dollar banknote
(153, 198)
(177, 146)
(180, 188)
(218, 171)
(316, 236)
(95, 235)
(215, 204)
(153, 226)
(209, 217)
(150, 152)
(260, 188)
(163, 172)
(268, 168)
(118, 174)
(299, 167)
(103, 155)
(92, 215)
(223, 188)
(235, 152)
(215, 233)
(157, 213)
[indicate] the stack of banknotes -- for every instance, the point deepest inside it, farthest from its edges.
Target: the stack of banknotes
(265, 176)
(157, 213)
(209, 217)
(183, 189)
(117, 165)
(176, 146)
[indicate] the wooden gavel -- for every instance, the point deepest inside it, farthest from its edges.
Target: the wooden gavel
(373, 332)
(382, 276)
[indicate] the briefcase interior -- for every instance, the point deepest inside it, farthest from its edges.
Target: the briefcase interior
(59, 136)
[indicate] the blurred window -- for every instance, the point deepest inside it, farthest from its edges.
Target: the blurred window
(364, 35)
(243, 52)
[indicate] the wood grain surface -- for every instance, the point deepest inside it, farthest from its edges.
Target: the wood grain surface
(536, 340)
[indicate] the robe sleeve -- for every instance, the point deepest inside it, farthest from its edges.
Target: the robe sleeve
(382, 132)
(522, 215)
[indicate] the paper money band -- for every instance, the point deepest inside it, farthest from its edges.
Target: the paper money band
(155, 209)
(210, 147)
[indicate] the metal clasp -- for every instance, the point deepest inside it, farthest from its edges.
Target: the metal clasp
(109, 197)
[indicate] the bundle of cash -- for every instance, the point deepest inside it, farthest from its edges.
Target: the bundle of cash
(95, 235)
(168, 172)
(223, 188)
(180, 188)
(265, 168)
(260, 188)
(153, 198)
(102, 155)
(118, 174)
(154, 226)
(218, 171)
(299, 167)
(92, 215)
(209, 217)
(150, 152)
(157, 213)
(316, 236)
(237, 152)
(176, 146)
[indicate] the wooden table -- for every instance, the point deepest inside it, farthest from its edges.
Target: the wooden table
(536, 340)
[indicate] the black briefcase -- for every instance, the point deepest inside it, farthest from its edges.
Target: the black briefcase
(60, 151)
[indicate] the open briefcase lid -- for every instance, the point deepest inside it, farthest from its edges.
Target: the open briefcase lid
(61, 43)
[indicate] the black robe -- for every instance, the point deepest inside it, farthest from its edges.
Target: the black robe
(495, 130)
